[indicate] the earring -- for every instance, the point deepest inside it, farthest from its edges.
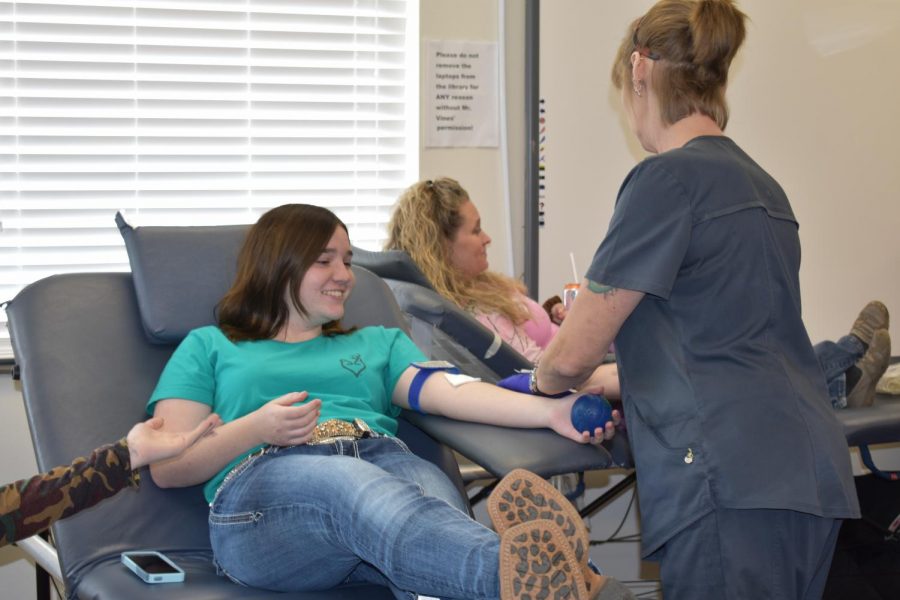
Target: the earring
(637, 87)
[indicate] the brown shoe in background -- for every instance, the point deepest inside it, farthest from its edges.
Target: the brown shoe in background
(872, 366)
(871, 318)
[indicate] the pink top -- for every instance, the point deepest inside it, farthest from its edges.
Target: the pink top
(531, 337)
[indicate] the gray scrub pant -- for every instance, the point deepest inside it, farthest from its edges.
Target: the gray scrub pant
(749, 554)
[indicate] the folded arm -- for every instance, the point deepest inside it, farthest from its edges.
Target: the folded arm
(281, 421)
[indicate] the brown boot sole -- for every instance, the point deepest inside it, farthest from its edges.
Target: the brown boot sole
(536, 561)
(522, 496)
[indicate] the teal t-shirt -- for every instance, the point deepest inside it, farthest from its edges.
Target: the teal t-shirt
(354, 375)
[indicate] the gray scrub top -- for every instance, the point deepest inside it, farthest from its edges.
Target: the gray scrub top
(724, 400)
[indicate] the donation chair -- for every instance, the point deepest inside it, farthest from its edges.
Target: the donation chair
(89, 348)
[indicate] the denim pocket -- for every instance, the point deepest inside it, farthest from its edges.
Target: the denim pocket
(242, 518)
(237, 470)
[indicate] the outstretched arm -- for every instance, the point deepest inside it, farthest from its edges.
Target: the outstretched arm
(148, 442)
(30, 506)
(284, 421)
(485, 403)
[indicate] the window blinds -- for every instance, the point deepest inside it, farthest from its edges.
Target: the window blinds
(196, 112)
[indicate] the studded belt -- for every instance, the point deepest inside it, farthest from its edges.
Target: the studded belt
(335, 429)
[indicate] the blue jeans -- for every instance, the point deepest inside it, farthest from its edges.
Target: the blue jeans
(835, 358)
(313, 517)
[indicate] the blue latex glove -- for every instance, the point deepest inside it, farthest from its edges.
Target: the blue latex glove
(518, 382)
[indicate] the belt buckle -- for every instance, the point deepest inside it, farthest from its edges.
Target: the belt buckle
(363, 428)
(357, 429)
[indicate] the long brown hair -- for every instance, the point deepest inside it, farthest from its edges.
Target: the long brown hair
(693, 43)
(275, 256)
(424, 222)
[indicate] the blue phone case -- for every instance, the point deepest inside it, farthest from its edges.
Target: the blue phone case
(152, 566)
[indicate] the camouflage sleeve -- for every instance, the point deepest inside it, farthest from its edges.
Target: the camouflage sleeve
(31, 505)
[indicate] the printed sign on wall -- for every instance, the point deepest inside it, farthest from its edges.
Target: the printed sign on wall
(461, 94)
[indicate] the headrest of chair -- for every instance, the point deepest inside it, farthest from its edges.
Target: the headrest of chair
(391, 264)
(180, 274)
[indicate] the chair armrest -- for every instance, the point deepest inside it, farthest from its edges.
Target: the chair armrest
(43, 554)
(876, 424)
(501, 449)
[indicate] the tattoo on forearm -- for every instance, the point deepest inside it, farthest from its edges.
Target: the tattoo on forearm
(600, 288)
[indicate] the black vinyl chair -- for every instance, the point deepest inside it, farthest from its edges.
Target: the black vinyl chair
(439, 327)
(89, 348)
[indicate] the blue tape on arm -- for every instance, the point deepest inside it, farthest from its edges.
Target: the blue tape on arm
(415, 387)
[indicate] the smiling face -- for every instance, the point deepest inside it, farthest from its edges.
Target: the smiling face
(326, 284)
(467, 249)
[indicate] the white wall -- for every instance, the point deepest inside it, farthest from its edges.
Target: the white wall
(814, 99)
(479, 170)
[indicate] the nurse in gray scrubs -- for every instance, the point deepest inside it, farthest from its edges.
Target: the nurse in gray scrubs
(743, 472)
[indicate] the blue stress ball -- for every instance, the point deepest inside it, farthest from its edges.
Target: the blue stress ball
(589, 412)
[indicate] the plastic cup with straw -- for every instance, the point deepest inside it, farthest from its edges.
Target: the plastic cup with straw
(571, 289)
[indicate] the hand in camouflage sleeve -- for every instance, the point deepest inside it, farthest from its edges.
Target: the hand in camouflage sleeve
(31, 505)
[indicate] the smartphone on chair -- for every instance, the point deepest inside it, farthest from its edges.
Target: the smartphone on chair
(153, 567)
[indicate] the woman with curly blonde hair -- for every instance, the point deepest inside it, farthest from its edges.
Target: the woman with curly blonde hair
(438, 225)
